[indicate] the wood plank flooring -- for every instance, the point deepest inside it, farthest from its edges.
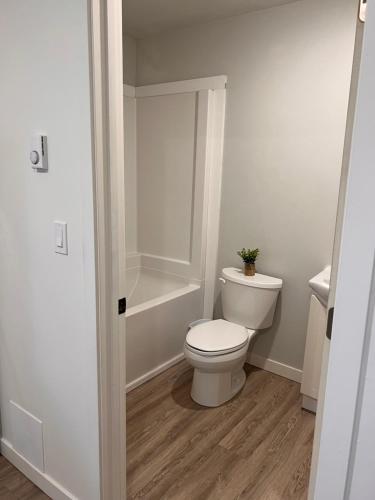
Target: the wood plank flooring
(15, 486)
(257, 446)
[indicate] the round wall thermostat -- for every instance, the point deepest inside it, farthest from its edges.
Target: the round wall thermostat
(38, 153)
(34, 157)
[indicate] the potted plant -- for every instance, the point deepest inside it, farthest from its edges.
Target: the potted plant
(249, 256)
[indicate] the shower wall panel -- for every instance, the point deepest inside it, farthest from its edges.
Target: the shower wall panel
(166, 138)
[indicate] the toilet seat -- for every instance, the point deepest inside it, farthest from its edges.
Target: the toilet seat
(217, 337)
(214, 353)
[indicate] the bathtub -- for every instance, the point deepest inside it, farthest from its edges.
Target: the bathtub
(160, 307)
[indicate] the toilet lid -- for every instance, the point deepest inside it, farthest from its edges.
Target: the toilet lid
(217, 335)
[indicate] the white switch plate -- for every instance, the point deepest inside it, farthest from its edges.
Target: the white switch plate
(61, 237)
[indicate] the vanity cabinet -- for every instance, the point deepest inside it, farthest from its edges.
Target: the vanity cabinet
(316, 330)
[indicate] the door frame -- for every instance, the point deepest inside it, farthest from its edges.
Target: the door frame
(337, 242)
(105, 42)
(355, 291)
(342, 407)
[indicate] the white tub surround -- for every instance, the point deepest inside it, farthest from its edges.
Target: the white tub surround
(173, 183)
(174, 196)
(161, 307)
(148, 287)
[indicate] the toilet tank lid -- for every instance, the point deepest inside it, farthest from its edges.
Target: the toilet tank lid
(258, 281)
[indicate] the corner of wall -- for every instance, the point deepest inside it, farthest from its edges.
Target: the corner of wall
(130, 59)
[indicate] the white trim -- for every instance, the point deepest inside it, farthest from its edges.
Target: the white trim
(266, 364)
(165, 259)
(215, 166)
(198, 236)
(270, 365)
(161, 299)
(309, 404)
(195, 85)
(129, 90)
(108, 158)
(45, 482)
(116, 218)
(152, 373)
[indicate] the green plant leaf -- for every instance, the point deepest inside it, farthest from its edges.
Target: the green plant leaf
(248, 255)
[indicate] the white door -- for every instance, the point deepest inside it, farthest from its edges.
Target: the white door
(345, 452)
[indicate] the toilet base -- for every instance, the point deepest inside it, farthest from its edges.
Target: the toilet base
(214, 389)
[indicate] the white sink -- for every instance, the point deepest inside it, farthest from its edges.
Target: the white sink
(320, 284)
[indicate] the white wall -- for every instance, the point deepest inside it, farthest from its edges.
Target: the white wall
(288, 83)
(48, 347)
(130, 59)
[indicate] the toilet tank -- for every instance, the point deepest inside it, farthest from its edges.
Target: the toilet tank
(249, 300)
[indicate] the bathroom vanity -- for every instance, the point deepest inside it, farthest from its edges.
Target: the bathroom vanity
(316, 330)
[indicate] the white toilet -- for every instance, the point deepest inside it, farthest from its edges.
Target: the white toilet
(218, 349)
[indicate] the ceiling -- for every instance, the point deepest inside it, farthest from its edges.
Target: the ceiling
(143, 18)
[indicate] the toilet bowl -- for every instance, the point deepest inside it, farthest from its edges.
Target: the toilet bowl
(217, 349)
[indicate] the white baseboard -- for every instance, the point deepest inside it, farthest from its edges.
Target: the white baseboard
(309, 404)
(155, 371)
(41, 479)
(276, 367)
(254, 359)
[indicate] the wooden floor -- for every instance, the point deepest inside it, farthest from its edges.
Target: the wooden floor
(257, 446)
(15, 486)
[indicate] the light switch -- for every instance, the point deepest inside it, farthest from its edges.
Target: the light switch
(61, 237)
